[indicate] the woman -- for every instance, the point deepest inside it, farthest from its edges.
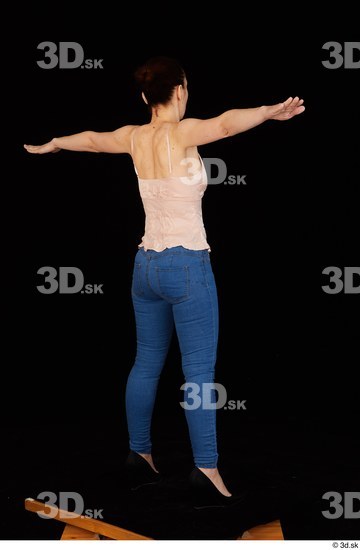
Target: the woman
(173, 283)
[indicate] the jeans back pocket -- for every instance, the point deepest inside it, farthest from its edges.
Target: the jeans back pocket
(173, 283)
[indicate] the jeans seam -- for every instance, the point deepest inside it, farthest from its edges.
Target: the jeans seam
(213, 326)
(137, 288)
(214, 345)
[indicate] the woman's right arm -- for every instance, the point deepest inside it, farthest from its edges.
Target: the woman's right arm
(76, 142)
(92, 142)
(194, 132)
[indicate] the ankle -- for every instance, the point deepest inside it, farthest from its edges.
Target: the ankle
(149, 459)
(147, 456)
(212, 473)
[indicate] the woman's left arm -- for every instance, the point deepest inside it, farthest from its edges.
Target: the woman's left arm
(117, 141)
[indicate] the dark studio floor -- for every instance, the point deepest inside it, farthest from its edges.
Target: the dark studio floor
(286, 468)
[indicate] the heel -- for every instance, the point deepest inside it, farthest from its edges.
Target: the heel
(139, 472)
(206, 495)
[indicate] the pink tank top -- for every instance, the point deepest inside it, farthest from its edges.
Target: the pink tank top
(173, 213)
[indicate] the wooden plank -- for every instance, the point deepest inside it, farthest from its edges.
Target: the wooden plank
(88, 524)
(267, 531)
(84, 528)
(71, 532)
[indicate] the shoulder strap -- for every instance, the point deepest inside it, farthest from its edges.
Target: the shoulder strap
(168, 151)
(132, 149)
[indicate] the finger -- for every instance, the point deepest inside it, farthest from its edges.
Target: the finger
(295, 104)
(292, 103)
(299, 110)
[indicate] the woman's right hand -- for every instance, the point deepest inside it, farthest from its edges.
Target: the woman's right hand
(284, 111)
(49, 147)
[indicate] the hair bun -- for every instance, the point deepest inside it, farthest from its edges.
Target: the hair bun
(143, 76)
(158, 77)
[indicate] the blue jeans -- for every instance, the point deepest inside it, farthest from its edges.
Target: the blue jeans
(175, 286)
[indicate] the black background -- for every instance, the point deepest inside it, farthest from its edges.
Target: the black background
(286, 347)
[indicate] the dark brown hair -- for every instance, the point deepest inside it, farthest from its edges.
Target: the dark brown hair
(158, 78)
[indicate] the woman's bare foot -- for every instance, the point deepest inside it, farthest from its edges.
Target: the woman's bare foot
(149, 459)
(214, 475)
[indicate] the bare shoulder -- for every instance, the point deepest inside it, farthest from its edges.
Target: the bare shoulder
(124, 131)
(184, 128)
(186, 124)
(196, 131)
(123, 136)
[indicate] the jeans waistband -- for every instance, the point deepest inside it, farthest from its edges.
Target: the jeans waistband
(173, 251)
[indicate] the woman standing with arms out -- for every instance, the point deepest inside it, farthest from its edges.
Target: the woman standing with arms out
(173, 282)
